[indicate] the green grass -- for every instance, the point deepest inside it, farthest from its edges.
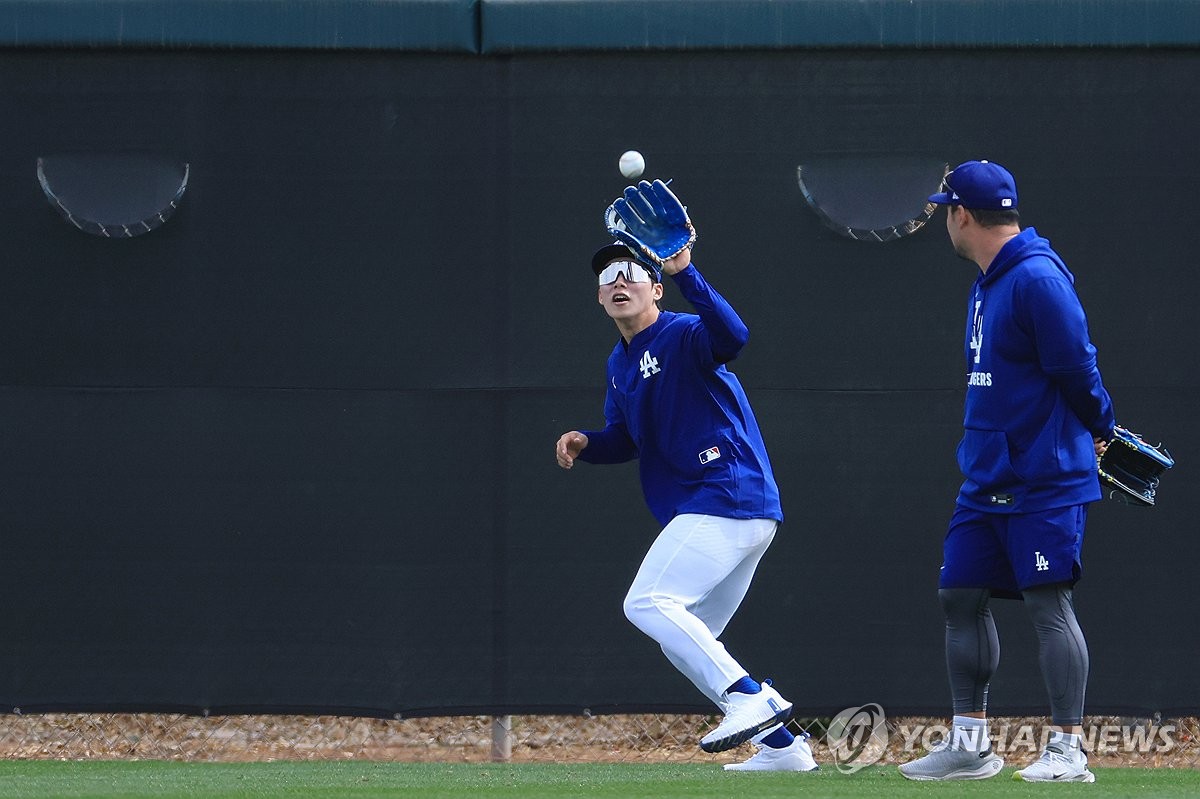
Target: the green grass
(333, 780)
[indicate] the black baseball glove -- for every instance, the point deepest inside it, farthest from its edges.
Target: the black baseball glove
(1130, 468)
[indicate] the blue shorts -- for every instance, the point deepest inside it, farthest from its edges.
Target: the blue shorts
(1009, 552)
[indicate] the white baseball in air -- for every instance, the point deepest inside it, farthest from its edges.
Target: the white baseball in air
(632, 164)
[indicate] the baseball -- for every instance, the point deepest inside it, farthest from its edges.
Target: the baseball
(632, 164)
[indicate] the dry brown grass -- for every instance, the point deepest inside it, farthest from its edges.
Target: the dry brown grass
(640, 738)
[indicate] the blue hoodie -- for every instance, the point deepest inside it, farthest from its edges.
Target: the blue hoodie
(672, 404)
(1035, 399)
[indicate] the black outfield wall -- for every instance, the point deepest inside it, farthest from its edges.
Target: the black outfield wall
(292, 450)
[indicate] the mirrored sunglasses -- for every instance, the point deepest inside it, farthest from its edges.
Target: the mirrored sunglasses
(632, 271)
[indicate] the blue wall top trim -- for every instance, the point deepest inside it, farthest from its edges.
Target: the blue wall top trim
(499, 26)
(443, 25)
(514, 25)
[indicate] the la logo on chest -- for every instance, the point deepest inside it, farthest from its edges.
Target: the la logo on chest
(977, 330)
(648, 365)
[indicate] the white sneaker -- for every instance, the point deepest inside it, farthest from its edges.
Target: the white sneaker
(797, 756)
(945, 763)
(746, 716)
(1056, 765)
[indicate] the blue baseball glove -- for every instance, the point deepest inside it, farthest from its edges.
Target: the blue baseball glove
(1130, 468)
(650, 221)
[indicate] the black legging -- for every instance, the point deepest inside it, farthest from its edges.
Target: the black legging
(973, 648)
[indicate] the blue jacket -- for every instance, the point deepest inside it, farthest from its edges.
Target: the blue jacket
(1035, 399)
(672, 404)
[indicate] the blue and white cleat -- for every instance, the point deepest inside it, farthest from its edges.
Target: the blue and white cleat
(746, 715)
(797, 756)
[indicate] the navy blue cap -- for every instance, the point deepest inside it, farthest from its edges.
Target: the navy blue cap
(981, 185)
(619, 252)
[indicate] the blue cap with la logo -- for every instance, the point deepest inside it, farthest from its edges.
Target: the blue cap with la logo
(981, 185)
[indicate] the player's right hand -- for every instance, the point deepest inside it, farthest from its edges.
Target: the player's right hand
(568, 448)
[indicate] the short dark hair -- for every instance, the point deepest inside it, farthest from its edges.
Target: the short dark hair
(989, 218)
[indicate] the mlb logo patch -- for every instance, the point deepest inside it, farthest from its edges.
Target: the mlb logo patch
(710, 454)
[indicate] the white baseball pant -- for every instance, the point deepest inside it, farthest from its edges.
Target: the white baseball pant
(688, 587)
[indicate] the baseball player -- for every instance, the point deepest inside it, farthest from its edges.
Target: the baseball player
(674, 405)
(1036, 417)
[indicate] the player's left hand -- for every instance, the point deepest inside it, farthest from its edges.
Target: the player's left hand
(649, 219)
(678, 262)
(1101, 445)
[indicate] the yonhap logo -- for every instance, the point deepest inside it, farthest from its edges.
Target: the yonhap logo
(857, 737)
